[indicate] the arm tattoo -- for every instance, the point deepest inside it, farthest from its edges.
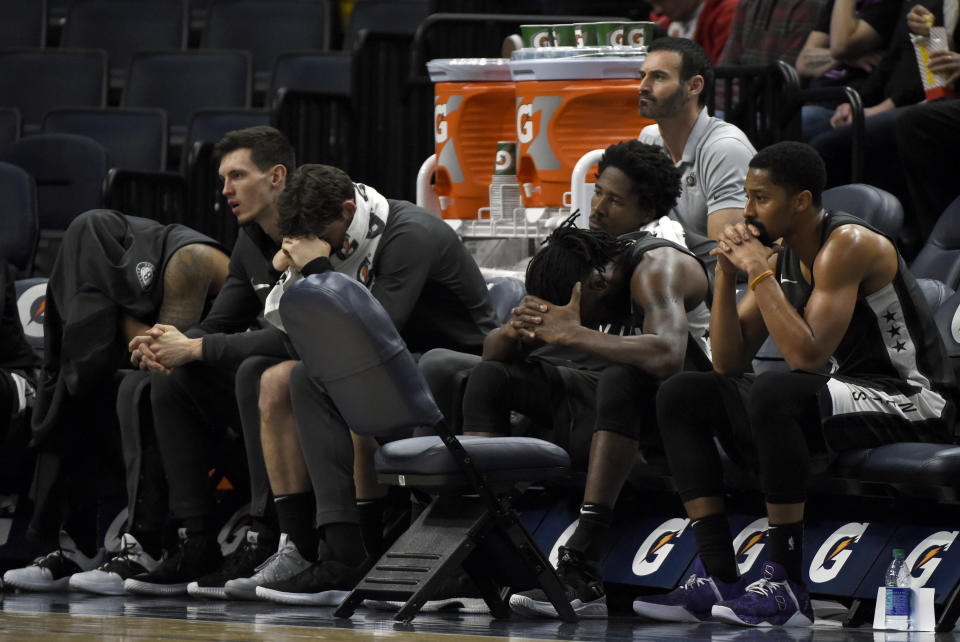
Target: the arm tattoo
(186, 281)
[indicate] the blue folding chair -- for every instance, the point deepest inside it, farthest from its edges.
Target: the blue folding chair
(19, 228)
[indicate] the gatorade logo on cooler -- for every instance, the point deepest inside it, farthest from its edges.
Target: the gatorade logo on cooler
(654, 551)
(926, 556)
(526, 126)
(835, 551)
(440, 132)
(533, 118)
(504, 160)
(749, 543)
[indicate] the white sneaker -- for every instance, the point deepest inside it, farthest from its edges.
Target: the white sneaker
(283, 564)
(108, 579)
(52, 572)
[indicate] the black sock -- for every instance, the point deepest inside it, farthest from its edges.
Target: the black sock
(150, 541)
(295, 514)
(371, 524)
(786, 548)
(265, 528)
(715, 545)
(82, 528)
(590, 537)
(346, 542)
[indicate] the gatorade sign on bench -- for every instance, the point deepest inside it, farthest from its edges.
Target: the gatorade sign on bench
(565, 107)
(472, 110)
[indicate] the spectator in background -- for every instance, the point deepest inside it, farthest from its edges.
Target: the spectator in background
(847, 43)
(766, 30)
(706, 22)
(928, 137)
(892, 86)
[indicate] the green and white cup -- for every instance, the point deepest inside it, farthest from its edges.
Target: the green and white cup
(589, 31)
(609, 34)
(506, 160)
(567, 35)
(537, 36)
(637, 34)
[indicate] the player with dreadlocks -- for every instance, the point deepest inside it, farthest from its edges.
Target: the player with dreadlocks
(605, 321)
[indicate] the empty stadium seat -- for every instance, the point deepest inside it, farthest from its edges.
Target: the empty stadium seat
(182, 83)
(9, 125)
(121, 27)
(877, 207)
(266, 28)
(939, 258)
(360, 345)
(135, 139)
(23, 23)
(312, 71)
(36, 81)
(19, 226)
(207, 210)
(69, 172)
(384, 16)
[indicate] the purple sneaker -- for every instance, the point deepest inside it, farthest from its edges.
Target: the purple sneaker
(691, 601)
(775, 600)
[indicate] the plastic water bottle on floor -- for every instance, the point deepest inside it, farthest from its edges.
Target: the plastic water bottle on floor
(897, 610)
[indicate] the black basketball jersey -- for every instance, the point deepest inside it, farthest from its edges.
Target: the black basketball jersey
(892, 338)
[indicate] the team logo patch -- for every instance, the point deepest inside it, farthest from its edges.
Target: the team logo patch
(362, 189)
(145, 272)
(690, 180)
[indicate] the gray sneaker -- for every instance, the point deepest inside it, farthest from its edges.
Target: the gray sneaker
(285, 563)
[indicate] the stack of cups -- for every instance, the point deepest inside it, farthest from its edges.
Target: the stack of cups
(504, 190)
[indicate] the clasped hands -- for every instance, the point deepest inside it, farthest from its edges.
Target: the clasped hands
(162, 348)
(738, 249)
(538, 320)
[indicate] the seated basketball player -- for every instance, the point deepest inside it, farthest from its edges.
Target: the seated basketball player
(595, 388)
(114, 276)
(867, 368)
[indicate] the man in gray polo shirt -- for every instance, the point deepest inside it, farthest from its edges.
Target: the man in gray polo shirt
(712, 154)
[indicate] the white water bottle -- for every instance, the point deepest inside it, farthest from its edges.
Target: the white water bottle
(897, 608)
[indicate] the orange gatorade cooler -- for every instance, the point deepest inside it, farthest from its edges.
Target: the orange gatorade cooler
(567, 107)
(473, 108)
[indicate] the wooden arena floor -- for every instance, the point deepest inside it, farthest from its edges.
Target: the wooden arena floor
(27, 616)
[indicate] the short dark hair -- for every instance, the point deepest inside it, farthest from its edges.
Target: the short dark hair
(653, 176)
(794, 166)
(694, 61)
(268, 147)
(312, 199)
(569, 255)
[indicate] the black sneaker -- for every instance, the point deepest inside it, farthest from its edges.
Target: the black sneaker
(53, 572)
(325, 583)
(243, 562)
(582, 583)
(197, 556)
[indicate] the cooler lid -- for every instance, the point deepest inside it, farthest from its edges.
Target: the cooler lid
(577, 68)
(467, 69)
